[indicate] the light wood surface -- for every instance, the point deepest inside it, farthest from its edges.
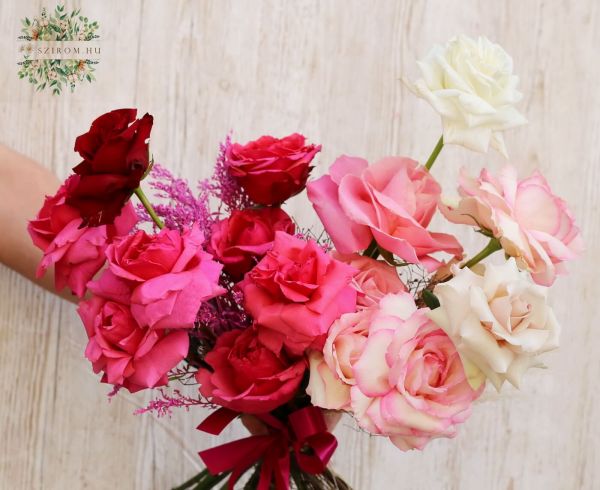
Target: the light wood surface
(331, 70)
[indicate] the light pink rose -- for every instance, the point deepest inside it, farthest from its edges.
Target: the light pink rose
(374, 279)
(325, 388)
(410, 382)
(295, 293)
(169, 273)
(129, 355)
(533, 225)
(76, 253)
(391, 201)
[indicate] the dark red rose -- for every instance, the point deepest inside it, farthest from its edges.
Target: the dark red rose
(241, 240)
(272, 170)
(115, 158)
(248, 377)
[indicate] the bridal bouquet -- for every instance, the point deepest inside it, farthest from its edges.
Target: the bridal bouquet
(378, 317)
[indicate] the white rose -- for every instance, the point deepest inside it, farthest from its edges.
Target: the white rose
(499, 322)
(471, 84)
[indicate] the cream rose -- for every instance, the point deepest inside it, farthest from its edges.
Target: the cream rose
(498, 320)
(471, 84)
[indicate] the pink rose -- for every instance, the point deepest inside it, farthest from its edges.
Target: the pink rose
(374, 279)
(169, 273)
(248, 377)
(410, 382)
(532, 224)
(129, 355)
(391, 201)
(271, 170)
(295, 293)
(243, 239)
(77, 253)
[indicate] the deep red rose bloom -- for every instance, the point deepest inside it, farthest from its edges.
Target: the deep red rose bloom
(272, 170)
(241, 240)
(115, 158)
(248, 377)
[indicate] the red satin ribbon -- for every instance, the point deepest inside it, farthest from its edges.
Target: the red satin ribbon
(306, 428)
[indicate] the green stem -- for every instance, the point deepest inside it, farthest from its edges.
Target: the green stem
(191, 481)
(144, 200)
(210, 481)
(372, 250)
(435, 153)
(489, 249)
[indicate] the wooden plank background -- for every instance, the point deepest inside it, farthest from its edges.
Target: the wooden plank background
(330, 69)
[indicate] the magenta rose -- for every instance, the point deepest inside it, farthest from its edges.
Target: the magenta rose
(241, 240)
(76, 253)
(530, 221)
(128, 355)
(169, 273)
(391, 202)
(296, 292)
(248, 377)
(115, 158)
(270, 169)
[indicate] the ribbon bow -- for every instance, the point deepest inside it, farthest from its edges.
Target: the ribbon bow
(306, 429)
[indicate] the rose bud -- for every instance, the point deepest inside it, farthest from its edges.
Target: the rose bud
(115, 158)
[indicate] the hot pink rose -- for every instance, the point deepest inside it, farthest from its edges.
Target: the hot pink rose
(410, 382)
(391, 201)
(295, 293)
(374, 279)
(77, 253)
(270, 169)
(170, 275)
(248, 377)
(533, 225)
(242, 239)
(129, 355)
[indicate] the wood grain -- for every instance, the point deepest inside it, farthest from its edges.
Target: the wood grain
(330, 69)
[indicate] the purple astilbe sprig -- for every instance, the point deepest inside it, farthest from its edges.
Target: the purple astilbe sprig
(223, 187)
(322, 239)
(182, 207)
(165, 403)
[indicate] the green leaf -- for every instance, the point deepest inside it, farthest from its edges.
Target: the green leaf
(430, 299)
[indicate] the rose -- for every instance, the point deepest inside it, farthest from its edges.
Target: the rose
(405, 378)
(248, 377)
(374, 279)
(115, 158)
(532, 224)
(272, 170)
(131, 356)
(391, 202)
(77, 253)
(498, 320)
(472, 86)
(329, 385)
(169, 273)
(410, 382)
(242, 239)
(295, 293)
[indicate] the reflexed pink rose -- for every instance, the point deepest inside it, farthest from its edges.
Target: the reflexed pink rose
(170, 275)
(409, 380)
(128, 355)
(76, 253)
(374, 279)
(296, 292)
(391, 201)
(533, 224)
